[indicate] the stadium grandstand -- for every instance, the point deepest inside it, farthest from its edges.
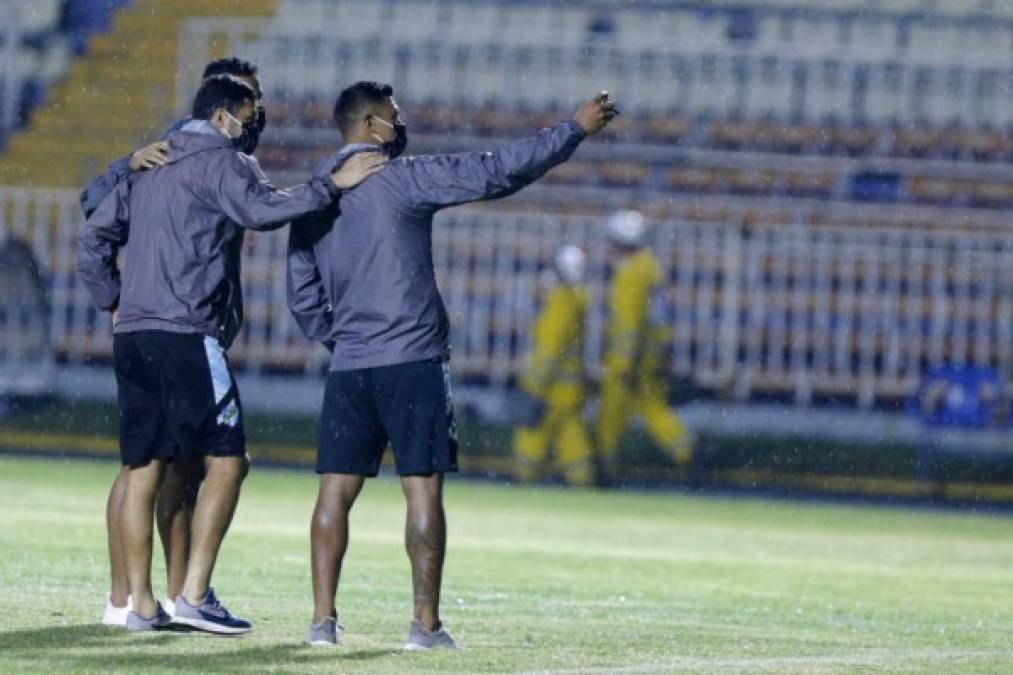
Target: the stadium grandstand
(829, 186)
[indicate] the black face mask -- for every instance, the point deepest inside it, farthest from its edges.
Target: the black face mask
(394, 147)
(248, 140)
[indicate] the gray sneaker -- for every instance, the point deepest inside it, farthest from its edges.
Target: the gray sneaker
(136, 622)
(209, 615)
(419, 639)
(324, 634)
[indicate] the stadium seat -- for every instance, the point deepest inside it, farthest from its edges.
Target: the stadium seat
(39, 17)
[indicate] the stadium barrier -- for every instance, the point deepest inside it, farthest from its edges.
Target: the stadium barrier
(853, 312)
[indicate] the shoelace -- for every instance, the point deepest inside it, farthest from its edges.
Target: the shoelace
(216, 604)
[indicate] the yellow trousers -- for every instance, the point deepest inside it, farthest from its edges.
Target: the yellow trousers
(562, 427)
(620, 402)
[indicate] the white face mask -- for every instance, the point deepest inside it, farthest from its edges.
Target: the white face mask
(380, 141)
(232, 120)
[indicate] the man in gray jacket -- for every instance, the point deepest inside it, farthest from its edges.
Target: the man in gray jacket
(361, 281)
(172, 311)
(178, 492)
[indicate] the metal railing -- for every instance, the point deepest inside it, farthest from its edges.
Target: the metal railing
(806, 311)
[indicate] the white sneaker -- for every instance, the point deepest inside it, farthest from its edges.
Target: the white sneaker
(169, 606)
(116, 616)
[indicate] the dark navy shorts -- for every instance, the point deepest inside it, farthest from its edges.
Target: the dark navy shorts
(408, 405)
(177, 398)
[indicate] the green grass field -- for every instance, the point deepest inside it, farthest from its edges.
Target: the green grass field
(537, 580)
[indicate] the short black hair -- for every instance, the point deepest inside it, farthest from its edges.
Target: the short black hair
(221, 91)
(230, 65)
(357, 99)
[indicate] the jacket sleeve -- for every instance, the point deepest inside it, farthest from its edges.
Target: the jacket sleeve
(96, 190)
(105, 232)
(244, 194)
(307, 298)
(438, 181)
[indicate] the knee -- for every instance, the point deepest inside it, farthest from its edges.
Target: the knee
(323, 519)
(328, 517)
(426, 517)
(143, 480)
(419, 521)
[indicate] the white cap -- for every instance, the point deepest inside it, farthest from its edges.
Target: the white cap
(569, 264)
(626, 228)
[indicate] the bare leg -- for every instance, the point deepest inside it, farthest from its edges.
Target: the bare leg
(136, 524)
(426, 543)
(119, 589)
(213, 513)
(173, 514)
(329, 538)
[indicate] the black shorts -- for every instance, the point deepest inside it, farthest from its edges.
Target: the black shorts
(407, 404)
(177, 398)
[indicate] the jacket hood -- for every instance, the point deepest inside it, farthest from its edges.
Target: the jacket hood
(182, 144)
(327, 165)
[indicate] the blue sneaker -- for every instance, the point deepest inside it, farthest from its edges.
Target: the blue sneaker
(210, 616)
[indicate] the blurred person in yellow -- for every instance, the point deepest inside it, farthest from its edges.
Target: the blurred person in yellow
(555, 380)
(633, 381)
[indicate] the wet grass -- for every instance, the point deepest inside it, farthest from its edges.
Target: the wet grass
(537, 580)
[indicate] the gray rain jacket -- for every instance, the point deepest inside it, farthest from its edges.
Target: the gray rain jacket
(360, 274)
(183, 222)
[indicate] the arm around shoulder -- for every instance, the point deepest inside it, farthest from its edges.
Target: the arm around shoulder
(247, 197)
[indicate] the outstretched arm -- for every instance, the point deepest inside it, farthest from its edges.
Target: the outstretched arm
(307, 298)
(105, 232)
(244, 194)
(438, 181)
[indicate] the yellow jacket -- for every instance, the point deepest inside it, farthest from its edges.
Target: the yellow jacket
(634, 341)
(557, 355)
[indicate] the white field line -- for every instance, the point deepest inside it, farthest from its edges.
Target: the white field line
(869, 659)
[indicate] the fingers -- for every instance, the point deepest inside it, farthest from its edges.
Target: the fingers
(369, 161)
(606, 103)
(358, 168)
(601, 110)
(156, 154)
(371, 170)
(371, 158)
